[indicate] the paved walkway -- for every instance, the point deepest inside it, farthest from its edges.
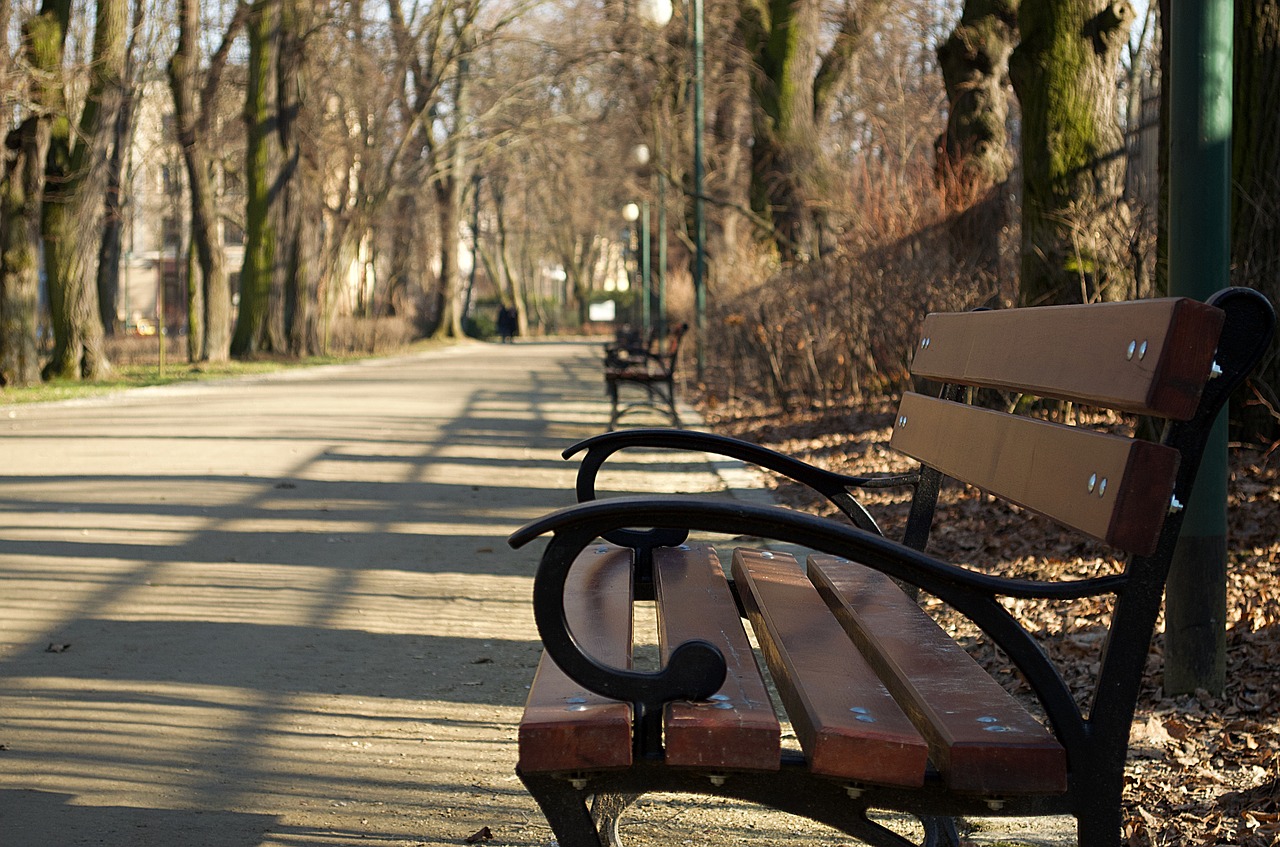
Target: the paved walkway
(281, 611)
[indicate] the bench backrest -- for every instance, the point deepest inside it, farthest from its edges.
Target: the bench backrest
(1151, 357)
(669, 352)
(1174, 359)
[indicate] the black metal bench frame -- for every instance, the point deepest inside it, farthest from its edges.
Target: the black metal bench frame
(650, 367)
(584, 808)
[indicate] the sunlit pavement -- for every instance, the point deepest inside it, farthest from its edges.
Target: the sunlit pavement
(281, 611)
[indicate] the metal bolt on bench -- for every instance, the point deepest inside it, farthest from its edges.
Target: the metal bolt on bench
(890, 712)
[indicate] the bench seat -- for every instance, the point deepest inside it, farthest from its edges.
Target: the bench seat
(875, 692)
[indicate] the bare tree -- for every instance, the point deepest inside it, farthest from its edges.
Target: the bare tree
(792, 86)
(76, 178)
(111, 244)
(22, 176)
(253, 323)
(209, 295)
(298, 181)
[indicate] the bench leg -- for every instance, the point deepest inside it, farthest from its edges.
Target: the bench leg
(670, 399)
(565, 809)
(612, 388)
(1101, 825)
(607, 811)
(940, 832)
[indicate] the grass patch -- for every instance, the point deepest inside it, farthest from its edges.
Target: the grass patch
(137, 367)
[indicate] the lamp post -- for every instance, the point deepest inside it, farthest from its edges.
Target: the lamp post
(658, 12)
(633, 212)
(699, 206)
(1201, 44)
(662, 250)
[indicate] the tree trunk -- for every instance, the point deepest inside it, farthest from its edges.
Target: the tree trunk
(973, 158)
(252, 333)
(787, 176)
(973, 152)
(21, 189)
(1255, 165)
(76, 176)
(404, 277)
(449, 196)
(784, 158)
(510, 281)
(297, 184)
(1075, 222)
(448, 323)
(111, 248)
(209, 292)
(22, 180)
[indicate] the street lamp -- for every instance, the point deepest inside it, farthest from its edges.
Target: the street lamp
(633, 212)
(658, 12)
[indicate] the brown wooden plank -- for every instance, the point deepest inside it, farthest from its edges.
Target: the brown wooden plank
(565, 727)
(847, 723)
(1113, 488)
(980, 739)
(737, 727)
(1080, 352)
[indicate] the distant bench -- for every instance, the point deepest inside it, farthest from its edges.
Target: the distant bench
(889, 711)
(650, 368)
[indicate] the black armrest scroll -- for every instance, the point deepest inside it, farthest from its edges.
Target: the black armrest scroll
(835, 487)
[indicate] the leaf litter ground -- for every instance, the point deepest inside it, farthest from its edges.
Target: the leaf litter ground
(1202, 770)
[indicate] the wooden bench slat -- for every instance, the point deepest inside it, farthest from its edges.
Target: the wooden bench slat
(1080, 352)
(737, 728)
(565, 727)
(845, 719)
(1113, 488)
(980, 739)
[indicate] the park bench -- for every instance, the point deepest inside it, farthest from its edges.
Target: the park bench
(889, 711)
(648, 367)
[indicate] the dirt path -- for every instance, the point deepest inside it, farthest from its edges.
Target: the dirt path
(281, 611)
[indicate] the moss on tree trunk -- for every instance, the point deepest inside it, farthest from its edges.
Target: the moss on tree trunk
(22, 181)
(20, 192)
(75, 185)
(1075, 223)
(252, 335)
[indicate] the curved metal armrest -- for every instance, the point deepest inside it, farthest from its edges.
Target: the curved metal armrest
(697, 669)
(835, 487)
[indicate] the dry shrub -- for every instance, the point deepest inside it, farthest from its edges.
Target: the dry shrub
(841, 329)
(349, 334)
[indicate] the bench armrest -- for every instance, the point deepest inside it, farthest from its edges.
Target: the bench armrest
(700, 669)
(835, 487)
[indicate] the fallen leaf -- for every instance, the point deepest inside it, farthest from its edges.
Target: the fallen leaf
(485, 834)
(57, 648)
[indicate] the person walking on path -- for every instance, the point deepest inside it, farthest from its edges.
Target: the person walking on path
(508, 323)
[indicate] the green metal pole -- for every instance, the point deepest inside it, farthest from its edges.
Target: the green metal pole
(662, 243)
(646, 279)
(699, 205)
(1200, 50)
